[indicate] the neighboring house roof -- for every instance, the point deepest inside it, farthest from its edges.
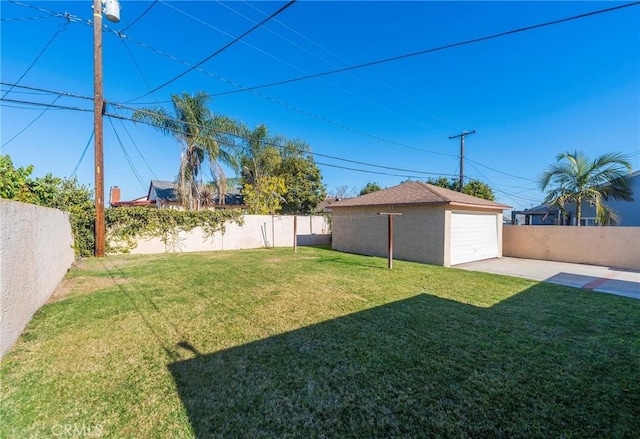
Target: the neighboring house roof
(417, 193)
(141, 201)
(542, 209)
(232, 197)
(163, 191)
(326, 204)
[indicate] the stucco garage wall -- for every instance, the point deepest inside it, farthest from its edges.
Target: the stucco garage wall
(257, 231)
(418, 233)
(36, 250)
(606, 246)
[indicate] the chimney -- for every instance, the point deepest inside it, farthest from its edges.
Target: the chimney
(114, 196)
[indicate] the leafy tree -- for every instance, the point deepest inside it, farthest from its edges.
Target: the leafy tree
(474, 188)
(370, 187)
(303, 181)
(202, 135)
(260, 156)
(17, 184)
(265, 195)
(60, 193)
(577, 179)
(265, 156)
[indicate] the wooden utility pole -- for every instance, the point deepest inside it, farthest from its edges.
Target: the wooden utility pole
(462, 136)
(98, 108)
(390, 238)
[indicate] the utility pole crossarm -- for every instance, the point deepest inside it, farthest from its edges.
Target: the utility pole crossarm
(462, 136)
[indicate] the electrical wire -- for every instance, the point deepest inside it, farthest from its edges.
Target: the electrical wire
(46, 91)
(61, 28)
(501, 172)
(30, 123)
(395, 94)
(138, 149)
(135, 63)
(276, 101)
(272, 144)
(223, 48)
(84, 151)
(27, 18)
(61, 107)
(337, 87)
(435, 49)
(368, 171)
(127, 157)
(140, 16)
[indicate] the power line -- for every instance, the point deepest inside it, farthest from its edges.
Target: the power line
(276, 101)
(435, 49)
(27, 18)
(116, 116)
(226, 46)
(342, 89)
(501, 172)
(44, 90)
(368, 172)
(61, 107)
(135, 63)
(396, 93)
(126, 156)
(84, 151)
(271, 144)
(30, 123)
(318, 154)
(46, 46)
(292, 107)
(138, 149)
(329, 121)
(140, 16)
(495, 187)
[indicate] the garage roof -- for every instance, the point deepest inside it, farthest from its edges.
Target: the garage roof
(417, 193)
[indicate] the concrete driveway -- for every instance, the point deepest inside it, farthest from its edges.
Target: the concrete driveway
(589, 277)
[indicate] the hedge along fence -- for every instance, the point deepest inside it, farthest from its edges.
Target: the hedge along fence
(149, 230)
(126, 226)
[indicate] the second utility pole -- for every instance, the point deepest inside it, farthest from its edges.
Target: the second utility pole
(462, 136)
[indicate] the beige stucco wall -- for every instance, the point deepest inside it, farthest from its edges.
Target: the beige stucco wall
(418, 233)
(257, 231)
(606, 246)
(36, 250)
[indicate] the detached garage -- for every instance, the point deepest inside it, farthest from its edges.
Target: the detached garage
(435, 226)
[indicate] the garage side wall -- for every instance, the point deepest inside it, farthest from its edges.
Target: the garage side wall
(418, 232)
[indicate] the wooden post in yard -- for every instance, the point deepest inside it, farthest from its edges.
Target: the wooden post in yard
(295, 233)
(390, 239)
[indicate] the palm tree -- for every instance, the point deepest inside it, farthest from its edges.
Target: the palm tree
(578, 179)
(261, 155)
(202, 135)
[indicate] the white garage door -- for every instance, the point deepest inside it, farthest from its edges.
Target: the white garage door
(474, 236)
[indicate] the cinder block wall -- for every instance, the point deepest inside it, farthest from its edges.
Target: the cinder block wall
(36, 250)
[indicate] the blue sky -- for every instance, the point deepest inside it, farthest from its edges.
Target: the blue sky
(530, 95)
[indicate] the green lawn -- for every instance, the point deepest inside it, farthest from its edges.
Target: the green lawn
(267, 343)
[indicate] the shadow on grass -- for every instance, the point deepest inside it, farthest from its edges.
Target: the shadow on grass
(424, 367)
